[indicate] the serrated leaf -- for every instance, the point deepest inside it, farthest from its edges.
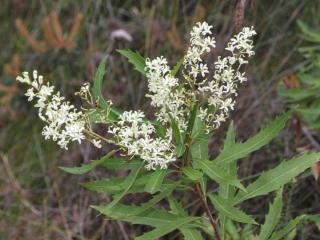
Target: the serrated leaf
(153, 217)
(84, 168)
(120, 163)
(192, 174)
(226, 208)
(129, 181)
(216, 173)
(165, 191)
(191, 233)
(134, 58)
(110, 186)
(117, 185)
(176, 207)
(241, 150)
(272, 218)
(227, 191)
(277, 177)
(287, 229)
(97, 83)
(232, 230)
(200, 141)
(165, 229)
(155, 181)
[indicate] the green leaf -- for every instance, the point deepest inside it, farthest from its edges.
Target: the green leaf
(232, 230)
(166, 191)
(218, 174)
(129, 181)
(241, 150)
(192, 174)
(153, 217)
(134, 58)
(84, 168)
(287, 229)
(191, 122)
(110, 186)
(155, 181)
(272, 218)
(176, 208)
(165, 229)
(177, 67)
(226, 208)
(175, 130)
(119, 163)
(180, 150)
(97, 84)
(200, 139)
(275, 178)
(227, 191)
(191, 234)
(117, 185)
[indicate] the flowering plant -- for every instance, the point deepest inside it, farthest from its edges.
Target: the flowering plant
(167, 157)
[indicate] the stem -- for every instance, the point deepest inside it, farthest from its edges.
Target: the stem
(207, 210)
(98, 136)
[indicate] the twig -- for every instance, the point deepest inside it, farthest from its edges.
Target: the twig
(206, 208)
(312, 140)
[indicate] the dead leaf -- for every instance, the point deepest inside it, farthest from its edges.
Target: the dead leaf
(315, 171)
(291, 81)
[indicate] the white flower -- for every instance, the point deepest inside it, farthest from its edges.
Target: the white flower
(136, 136)
(200, 43)
(64, 122)
(96, 143)
(227, 75)
(163, 91)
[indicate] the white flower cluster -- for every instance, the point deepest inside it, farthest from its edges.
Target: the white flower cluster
(221, 89)
(163, 91)
(200, 43)
(137, 137)
(173, 97)
(64, 122)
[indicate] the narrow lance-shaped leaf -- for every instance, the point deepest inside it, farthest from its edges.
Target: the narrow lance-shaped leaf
(192, 173)
(155, 181)
(134, 58)
(226, 208)
(272, 218)
(154, 217)
(216, 173)
(84, 168)
(97, 90)
(200, 141)
(165, 229)
(191, 234)
(226, 190)
(241, 150)
(287, 229)
(275, 178)
(97, 83)
(128, 184)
